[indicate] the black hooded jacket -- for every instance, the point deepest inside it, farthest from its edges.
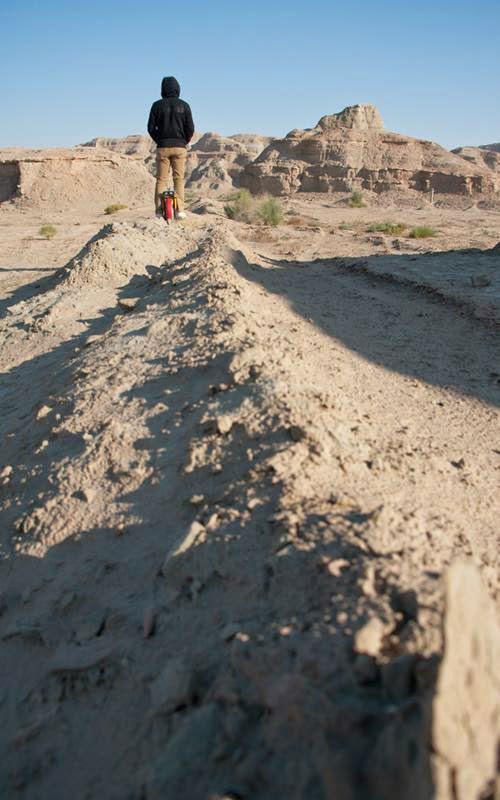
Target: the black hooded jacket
(170, 121)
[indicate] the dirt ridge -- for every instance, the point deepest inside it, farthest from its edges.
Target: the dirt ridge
(211, 527)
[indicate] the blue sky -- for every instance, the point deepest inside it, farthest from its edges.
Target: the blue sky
(74, 70)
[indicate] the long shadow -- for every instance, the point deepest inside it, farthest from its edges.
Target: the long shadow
(401, 328)
(28, 290)
(276, 702)
(28, 269)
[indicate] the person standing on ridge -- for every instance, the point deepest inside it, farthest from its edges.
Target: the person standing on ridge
(171, 126)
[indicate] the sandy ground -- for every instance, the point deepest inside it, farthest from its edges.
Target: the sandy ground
(237, 465)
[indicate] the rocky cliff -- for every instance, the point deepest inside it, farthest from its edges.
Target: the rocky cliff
(351, 150)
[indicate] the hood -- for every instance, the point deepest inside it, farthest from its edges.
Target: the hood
(170, 87)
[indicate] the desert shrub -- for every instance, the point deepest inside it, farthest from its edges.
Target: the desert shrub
(356, 200)
(422, 232)
(239, 206)
(47, 231)
(393, 228)
(270, 211)
(112, 209)
(344, 226)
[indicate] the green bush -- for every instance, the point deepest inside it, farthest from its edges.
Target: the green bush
(270, 211)
(48, 231)
(114, 208)
(240, 206)
(393, 228)
(356, 200)
(422, 232)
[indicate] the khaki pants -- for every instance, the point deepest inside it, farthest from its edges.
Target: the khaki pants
(170, 158)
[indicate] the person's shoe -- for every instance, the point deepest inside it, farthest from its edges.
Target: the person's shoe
(181, 215)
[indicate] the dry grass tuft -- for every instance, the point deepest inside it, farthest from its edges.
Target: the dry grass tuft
(47, 231)
(112, 209)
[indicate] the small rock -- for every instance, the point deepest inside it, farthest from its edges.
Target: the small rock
(229, 632)
(253, 503)
(43, 411)
(92, 340)
(224, 424)
(128, 303)
(197, 499)
(368, 583)
(219, 387)
(213, 522)
(296, 433)
(336, 566)
(369, 638)
(6, 471)
(196, 529)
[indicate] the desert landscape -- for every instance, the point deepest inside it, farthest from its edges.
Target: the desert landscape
(250, 468)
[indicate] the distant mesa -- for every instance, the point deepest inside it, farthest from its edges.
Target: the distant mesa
(351, 150)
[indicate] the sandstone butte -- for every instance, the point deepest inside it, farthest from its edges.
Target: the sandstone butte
(351, 150)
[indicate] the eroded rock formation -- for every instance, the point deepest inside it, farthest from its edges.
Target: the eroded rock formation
(480, 156)
(58, 179)
(351, 150)
(214, 162)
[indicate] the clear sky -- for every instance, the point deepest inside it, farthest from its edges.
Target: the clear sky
(74, 70)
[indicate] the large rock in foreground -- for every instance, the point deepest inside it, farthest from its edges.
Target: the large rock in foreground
(466, 725)
(351, 150)
(60, 179)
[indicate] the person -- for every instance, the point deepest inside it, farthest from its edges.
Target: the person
(170, 125)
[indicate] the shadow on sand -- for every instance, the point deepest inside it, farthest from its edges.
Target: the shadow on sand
(403, 329)
(275, 701)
